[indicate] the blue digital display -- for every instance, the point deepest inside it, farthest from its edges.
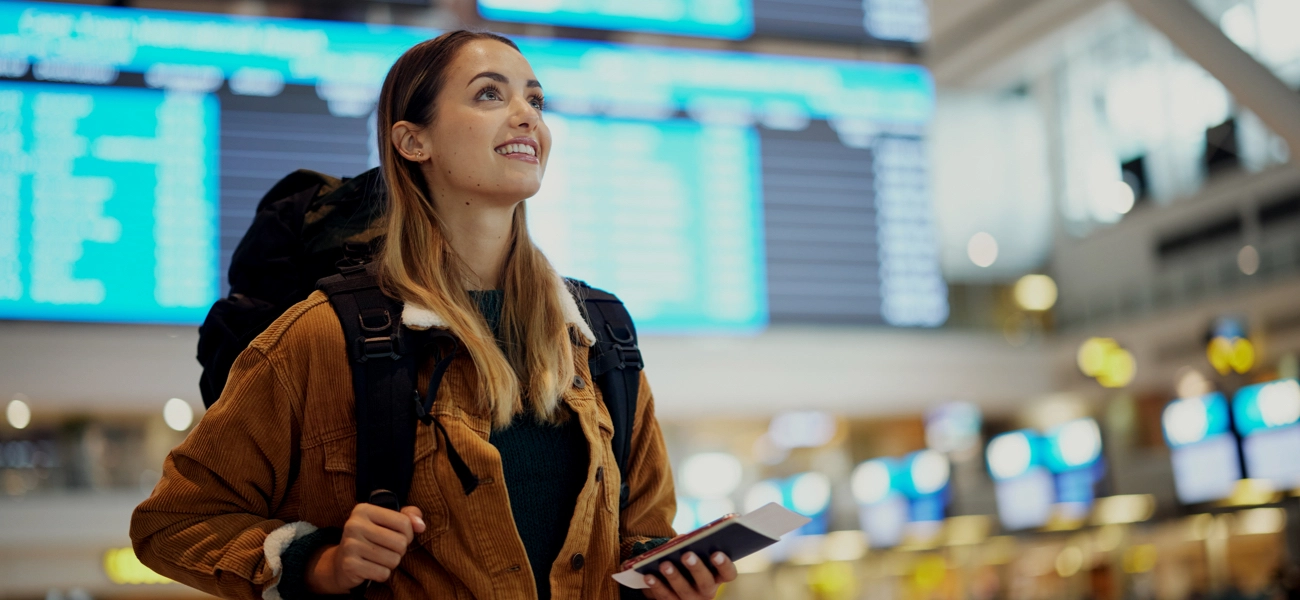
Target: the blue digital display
(729, 19)
(683, 185)
(1265, 406)
(1203, 450)
(108, 202)
(1013, 454)
(1267, 416)
(1206, 470)
(895, 492)
(673, 217)
(1073, 446)
(1034, 472)
(1026, 501)
(1189, 420)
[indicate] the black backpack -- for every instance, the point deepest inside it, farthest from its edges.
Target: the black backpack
(311, 231)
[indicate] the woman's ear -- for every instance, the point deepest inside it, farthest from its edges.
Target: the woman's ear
(407, 141)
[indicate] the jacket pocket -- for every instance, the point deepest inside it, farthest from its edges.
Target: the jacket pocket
(607, 467)
(341, 469)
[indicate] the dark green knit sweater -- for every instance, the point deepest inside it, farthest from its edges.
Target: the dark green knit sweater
(545, 468)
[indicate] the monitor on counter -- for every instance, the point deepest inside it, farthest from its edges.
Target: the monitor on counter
(1203, 450)
(1267, 415)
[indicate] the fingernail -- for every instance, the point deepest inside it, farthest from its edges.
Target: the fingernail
(650, 581)
(690, 560)
(420, 521)
(719, 558)
(668, 569)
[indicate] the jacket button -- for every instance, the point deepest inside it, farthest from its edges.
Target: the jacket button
(579, 383)
(578, 561)
(600, 473)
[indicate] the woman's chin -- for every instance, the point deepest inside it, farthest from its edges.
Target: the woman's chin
(519, 188)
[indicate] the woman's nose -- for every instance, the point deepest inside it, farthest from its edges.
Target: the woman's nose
(523, 115)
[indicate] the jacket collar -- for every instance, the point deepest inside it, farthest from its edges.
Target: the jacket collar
(415, 316)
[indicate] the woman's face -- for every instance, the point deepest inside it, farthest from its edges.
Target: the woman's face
(487, 139)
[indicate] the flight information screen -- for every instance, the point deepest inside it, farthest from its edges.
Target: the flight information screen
(885, 21)
(729, 19)
(712, 191)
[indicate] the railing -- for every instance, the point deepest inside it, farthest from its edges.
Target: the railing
(1187, 281)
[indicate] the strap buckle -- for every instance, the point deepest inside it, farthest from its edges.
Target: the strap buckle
(367, 348)
(625, 344)
(629, 356)
(421, 412)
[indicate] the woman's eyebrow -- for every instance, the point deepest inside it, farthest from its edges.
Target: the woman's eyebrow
(494, 76)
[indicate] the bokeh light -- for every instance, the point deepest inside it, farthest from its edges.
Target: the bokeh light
(810, 493)
(1080, 442)
(870, 482)
(1010, 455)
(178, 414)
(1035, 292)
(711, 474)
(930, 472)
(1185, 420)
(1248, 260)
(982, 249)
(18, 413)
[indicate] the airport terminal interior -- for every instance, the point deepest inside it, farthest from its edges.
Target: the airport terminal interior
(1003, 295)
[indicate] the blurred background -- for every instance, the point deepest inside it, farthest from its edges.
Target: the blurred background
(1002, 293)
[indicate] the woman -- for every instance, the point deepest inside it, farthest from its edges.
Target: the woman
(259, 498)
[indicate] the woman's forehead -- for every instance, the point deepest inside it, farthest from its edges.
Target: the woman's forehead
(481, 56)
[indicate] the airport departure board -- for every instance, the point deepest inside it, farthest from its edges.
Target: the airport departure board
(712, 191)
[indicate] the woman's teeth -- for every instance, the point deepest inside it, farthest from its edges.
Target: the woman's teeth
(516, 148)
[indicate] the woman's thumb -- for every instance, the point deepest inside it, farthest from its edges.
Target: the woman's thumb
(417, 517)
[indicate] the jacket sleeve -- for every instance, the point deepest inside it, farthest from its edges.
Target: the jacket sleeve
(208, 523)
(652, 501)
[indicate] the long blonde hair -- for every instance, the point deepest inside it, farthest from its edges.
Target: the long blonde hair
(418, 265)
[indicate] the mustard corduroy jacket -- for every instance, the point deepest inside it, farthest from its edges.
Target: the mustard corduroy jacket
(275, 459)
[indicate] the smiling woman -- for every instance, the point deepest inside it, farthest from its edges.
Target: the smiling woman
(261, 497)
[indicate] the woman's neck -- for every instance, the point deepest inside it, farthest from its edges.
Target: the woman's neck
(479, 232)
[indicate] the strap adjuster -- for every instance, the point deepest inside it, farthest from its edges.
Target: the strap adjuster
(367, 348)
(421, 412)
(625, 345)
(629, 356)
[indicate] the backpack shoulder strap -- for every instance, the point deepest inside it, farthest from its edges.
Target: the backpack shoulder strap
(615, 363)
(384, 364)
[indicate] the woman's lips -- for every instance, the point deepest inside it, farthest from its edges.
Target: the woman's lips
(522, 149)
(528, 158)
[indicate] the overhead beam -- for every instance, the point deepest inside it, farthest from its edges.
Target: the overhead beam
(961, 55)
(1250, 82)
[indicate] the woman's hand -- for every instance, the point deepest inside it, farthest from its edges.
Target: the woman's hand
(672, 586)
(374, 541)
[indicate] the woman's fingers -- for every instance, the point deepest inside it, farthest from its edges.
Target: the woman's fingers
(388, 519)
(416, 516)
(726, 569)
(381, 556)
(386, 538)
(375, 539)
(704, 584)
(357, 566)
(677, 582)
(658, 590)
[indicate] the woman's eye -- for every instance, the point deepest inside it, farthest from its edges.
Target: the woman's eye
(489, 94)
(538, 103)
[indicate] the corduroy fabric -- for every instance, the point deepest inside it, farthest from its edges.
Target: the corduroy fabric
(280, 447)
(543, 466)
